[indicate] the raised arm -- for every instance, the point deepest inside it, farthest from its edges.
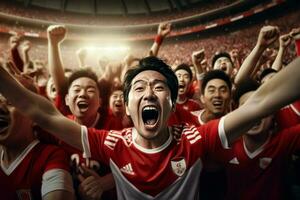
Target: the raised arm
(163, 30)
(279, 91)
(40, 110)
(267, 35)
(14, 42)
(56, 34)
(284, 42)
(197, 58)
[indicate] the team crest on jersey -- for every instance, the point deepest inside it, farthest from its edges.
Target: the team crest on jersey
(264, 162)
(178, 166)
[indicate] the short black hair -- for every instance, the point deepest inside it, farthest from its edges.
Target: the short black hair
(156, 64)
(245, 86)
(185, 67)
(220, 55)
(266, 72)
(87, 72)
(215, 74)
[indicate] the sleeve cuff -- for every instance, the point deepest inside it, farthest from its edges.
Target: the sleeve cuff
(222, 134)
(85, 142)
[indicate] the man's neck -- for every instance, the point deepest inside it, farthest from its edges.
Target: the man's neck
(153, 143)
(253, 142)
(89, 121)
(181, 99)
(206, 116)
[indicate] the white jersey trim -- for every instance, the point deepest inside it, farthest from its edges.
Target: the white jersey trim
(85, 142)
(295, 109)
(257, 151)
(198, 114)
(222, 134)
(151, 151)
(56, 179)
(8, 170)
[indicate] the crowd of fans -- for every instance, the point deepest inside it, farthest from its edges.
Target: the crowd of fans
(221, 108)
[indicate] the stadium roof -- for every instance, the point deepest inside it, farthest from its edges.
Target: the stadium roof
(112, 7)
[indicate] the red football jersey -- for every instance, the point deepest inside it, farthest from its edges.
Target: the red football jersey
(260, 174)
(166, 172)
(189, 105)
(23, 178)
(288, 116)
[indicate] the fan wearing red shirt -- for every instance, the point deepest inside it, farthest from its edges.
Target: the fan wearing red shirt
(163, 162)
(215, 96)
(28, 168)
(185, 77)
(256, 164)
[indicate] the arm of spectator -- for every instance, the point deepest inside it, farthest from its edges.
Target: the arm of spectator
(234, 54)
(26, 46)
(267, 35)
(197, 59)
(14, 42)
(295, 34)
(56, 34)
(40, 110)
(81, 56)
(280, 90)
(128, 62)
(163, 30)
(284, 42)
(92, 185)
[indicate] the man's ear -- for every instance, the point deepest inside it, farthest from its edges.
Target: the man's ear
(202, 99)
(67, 99)
(127, 110)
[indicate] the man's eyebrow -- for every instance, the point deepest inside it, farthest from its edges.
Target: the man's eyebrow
(154, 81)
(211, 86)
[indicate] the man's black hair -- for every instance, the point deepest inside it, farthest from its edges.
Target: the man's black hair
(215, 74)
(88, 73)
(220, 55)
(185, 67)
(266, 72)
(245, 86)
(152, 63)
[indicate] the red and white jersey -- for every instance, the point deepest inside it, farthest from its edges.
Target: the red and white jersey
(197, 117)
(288, 116)
(170, 171)
(25, 177)
(189, 105)
(260, 174)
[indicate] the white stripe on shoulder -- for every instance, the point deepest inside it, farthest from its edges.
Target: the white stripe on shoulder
(222, 134)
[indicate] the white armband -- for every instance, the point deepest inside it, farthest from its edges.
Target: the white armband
(56, 179)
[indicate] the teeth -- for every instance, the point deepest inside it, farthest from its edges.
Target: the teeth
(149, 108)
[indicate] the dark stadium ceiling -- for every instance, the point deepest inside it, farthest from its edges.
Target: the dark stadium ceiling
(111, 7)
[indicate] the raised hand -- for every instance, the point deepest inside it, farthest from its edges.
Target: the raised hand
(164, 29)
(26, 46)
(295, 33)
(14, 41)
(197, 59)
(285, 40)
(267, 36)
(56, 33)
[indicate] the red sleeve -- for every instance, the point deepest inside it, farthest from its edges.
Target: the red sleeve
(61, 106)
(211, 133)
(98, 145)
(16, 59)
(291, 138)
(57, 159)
